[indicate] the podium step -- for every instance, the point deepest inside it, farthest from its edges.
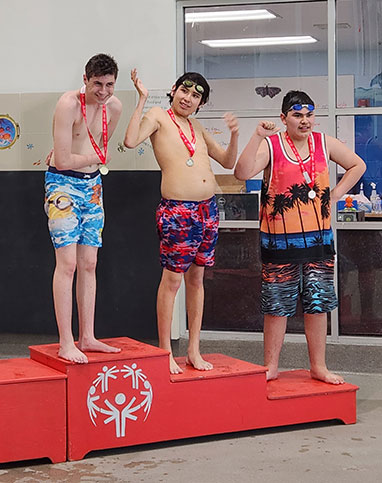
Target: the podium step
(298, 383)
(32, 411)
(130, 398)
(224, 366)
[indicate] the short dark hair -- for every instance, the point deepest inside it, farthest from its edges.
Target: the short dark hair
(198, 79)
(101, 64)
(295, 97)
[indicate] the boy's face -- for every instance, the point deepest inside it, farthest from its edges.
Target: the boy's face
(299, 123)
(99, 89)
(186, 100)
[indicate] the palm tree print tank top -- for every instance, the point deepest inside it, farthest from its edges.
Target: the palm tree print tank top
(293, 227)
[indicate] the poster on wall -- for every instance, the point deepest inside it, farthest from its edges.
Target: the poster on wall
(9, 131)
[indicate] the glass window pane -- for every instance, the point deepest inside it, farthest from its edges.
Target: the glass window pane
(257, 76)
(359, 40)
(359, 282)
(363, 134)
(232, 286)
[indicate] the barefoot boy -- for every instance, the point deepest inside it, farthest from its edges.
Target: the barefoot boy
(83, 122)
(297, 246)
(187, 216)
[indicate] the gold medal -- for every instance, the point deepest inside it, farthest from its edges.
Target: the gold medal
(104, 170)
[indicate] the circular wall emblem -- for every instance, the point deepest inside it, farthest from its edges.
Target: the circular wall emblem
(119, 394)
(9, 131)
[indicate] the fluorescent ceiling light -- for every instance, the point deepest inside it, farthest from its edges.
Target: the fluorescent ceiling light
(258, 42)
(228, 16)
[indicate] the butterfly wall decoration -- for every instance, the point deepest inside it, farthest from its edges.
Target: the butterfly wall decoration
(267, 91)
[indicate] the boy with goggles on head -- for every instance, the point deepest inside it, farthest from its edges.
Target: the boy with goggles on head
(299, 107)
(187, 216)
(297, 247)
(188, 83)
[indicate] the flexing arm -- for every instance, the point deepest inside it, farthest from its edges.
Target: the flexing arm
(225, 157)
(138, 130)
(255, 156)
(350, 161)
(62, 134)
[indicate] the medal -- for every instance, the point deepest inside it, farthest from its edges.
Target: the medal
(102, 156)
(309, 180)
(190, 145)
(104, 170)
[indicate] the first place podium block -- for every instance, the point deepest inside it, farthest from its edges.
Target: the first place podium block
(32, 411)
(130, 398)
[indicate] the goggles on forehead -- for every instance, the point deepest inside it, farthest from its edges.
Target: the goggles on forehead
(189, 83)
(298, 107)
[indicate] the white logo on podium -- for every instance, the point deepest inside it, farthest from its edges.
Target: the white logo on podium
(118, 395)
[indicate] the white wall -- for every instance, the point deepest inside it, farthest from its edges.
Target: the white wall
(48, 42)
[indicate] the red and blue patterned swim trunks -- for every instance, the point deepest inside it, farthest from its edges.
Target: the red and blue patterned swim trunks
(188, 232)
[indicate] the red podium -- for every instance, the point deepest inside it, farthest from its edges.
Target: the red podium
(32, 411)
(130, 398)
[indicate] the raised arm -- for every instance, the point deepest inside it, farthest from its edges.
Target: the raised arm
(350, 161)
(225, 157)
(138, 130)
(255, 156)
(64, 117)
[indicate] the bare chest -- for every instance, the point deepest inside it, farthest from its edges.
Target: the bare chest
(93, 124)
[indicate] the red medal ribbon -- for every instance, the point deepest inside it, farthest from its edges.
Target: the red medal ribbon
(189, 145)
(308, 179)
(101, 155)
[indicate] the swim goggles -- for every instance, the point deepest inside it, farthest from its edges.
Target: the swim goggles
(189, 83)
(298, 107)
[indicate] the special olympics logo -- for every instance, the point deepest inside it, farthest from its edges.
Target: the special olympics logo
(130, 399)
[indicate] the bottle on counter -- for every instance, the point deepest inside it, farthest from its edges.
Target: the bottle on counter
(374, 198)
(364, 204)
(221, 208)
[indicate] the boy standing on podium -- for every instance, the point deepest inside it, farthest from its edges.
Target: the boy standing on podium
(297, 246)
(187, 216)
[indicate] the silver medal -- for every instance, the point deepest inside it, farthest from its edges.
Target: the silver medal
(312, 194)
(104, 170)
(190, 162)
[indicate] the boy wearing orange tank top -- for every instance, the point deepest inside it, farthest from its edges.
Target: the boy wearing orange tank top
(297, 246)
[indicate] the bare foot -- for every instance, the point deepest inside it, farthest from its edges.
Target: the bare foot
(326, 376)
(174, 368)
(272, 374)
(72, 354)
(198, 362)
(94, 345)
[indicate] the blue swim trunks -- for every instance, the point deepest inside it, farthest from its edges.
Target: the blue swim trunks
(283, 284)
(73, 203)
(188, 232)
